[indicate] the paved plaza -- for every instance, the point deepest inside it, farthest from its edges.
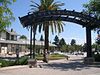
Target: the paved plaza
(73, 66)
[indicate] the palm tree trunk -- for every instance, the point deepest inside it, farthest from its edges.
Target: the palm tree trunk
(34, 45)
(34, 31)
(31, 43)
(46, 32)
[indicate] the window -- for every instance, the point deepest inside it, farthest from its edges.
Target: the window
(12, 37)
(7, 36)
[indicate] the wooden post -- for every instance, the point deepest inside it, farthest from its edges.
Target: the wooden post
(88, 42)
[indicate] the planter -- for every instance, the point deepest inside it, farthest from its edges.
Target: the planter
(89, 60)
(32, 63)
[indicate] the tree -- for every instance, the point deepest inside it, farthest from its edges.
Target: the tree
(93, 8)
(23, 37)
(56, 40)
(41, 38)
(78, 48)
(6, 15)
(73, 42)
(58, 25)
(98, 41)
(67, 48)
(62, 42)
(84, 48)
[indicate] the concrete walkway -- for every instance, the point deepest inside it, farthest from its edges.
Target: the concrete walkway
(73, 66)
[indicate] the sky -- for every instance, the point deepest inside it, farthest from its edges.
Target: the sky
(71, 30)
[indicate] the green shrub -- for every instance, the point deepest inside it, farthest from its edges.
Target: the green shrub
(21, 61)
(97, 57)
(5, 63)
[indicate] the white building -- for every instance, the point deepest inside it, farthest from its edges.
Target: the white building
(9, 42)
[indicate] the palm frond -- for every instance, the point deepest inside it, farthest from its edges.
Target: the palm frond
(51, 25)
(35, 3)
(34, 6)
(40, 27)
(55, 26)
(50, 2)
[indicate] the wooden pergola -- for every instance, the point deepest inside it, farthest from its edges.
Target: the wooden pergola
(88, 21)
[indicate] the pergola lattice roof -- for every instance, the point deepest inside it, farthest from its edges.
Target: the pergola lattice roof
(62, 15)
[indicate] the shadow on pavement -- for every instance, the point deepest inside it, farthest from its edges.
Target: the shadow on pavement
(71, 65)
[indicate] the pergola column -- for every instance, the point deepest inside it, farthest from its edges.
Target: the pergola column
(88, 42)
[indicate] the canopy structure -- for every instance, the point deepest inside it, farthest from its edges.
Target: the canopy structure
(88, 21)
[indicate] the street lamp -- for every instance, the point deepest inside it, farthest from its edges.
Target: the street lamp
(17, 53)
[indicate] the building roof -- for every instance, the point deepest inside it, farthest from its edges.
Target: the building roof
(42, 43)
(24, 42)
(21, 41)
(12, 32)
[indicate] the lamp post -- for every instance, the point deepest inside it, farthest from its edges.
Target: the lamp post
(17, 53)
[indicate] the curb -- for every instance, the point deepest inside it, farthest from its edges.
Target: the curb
(95, 74)
(13, 67)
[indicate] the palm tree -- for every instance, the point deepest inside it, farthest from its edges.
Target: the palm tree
(54, 25)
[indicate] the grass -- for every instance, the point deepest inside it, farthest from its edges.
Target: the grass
(51, 57)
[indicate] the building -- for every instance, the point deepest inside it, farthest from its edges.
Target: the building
(8, 35)
(9, 43)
